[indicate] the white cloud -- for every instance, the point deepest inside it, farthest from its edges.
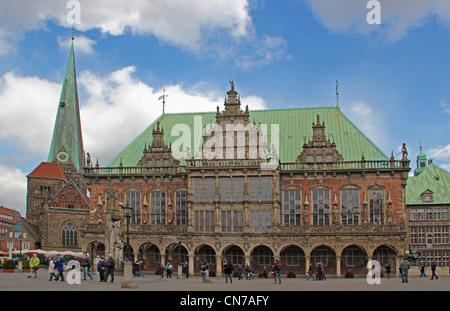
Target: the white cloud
(369, 121)
(445, 106)
(84, 44)
(13, 188)
(397, 17)
(188, 24)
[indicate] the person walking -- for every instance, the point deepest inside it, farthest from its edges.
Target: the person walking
(404, 268)
(34, 265)
(422, 271)
(310, 272)
(60, 265)
(168, 269)
(51, 269)
(204, 270)
(110, 264)
(239, 272)
(277, 272)
(86, 264)
(433, 270)
(101, 268)
(388, 270)
(185, 270)
(228, 270)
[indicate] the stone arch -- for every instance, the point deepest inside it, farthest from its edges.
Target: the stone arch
(386, 255)
(150, 254)
(176, 253)
(205, 253)
(261, 256)
(353, 260)
(235, 254)
(326, 255)
(94, 249)
(293, 259)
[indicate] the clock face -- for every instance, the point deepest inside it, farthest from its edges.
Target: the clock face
(62, 156)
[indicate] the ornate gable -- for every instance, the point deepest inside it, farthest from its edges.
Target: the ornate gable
(70, 197)
(319, 149)
(158, 154)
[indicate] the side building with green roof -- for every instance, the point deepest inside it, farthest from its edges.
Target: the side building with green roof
(427, 207)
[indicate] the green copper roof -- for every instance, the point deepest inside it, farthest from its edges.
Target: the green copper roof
(431, 178)
(294, 124)
(67, 131)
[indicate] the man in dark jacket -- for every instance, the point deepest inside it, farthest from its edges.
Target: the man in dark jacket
(110, 263)
(228, 269)
(433, 270)
(86, 264)
(101, 268)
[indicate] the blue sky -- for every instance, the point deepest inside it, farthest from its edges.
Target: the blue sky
(393, 77)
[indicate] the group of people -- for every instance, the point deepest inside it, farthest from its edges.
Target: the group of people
(405, 266)
(320, 276)
(249, 274)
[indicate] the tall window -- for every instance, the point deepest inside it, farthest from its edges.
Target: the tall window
(232, 221)
(181, 208)
(133, 199)
(204, 221)
(204, 189)
(232, 189)
(260, 188)
(321, 208)
(260, 221)
(350, 207)
(377, 207)
(158, 208)
(292, 208)
(69, 235)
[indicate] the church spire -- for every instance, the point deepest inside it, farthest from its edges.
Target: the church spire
(67, 143)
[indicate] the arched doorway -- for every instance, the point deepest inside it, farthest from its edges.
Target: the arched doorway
(353, 261)
(176, 254)
(261, 258)
(293, 260)
(205, 253)
(385, 255)
(95, 249)
(327, 257)
(150, 255)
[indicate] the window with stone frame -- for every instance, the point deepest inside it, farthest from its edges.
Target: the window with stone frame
(133, 199)
(204, 189)
(260, 189)
(158, 208)
(69, 235)
(232, 189)
(181, 211)
(292, 207)
(377, 207)
(350, 207)
(232, 221)
(321, 208)
(261, 221)
(204, 220)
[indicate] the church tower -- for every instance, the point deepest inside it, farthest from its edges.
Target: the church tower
(67, 143)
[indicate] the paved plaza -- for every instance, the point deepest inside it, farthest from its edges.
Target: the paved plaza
(20, 282)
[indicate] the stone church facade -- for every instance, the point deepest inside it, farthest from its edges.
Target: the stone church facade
(238, 185)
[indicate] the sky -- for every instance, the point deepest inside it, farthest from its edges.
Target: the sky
(394, 77)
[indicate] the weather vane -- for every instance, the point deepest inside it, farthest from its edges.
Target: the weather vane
(337, 93)
(163, 97)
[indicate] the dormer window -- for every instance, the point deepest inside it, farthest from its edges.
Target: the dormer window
(427, 196)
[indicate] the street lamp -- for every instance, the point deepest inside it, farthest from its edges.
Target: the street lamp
(127, 213)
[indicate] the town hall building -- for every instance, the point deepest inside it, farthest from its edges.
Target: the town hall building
(302, 185)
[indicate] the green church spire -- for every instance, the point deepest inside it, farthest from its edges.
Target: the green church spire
(67, 142)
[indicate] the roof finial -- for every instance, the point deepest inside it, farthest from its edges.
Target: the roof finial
(337, 93)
